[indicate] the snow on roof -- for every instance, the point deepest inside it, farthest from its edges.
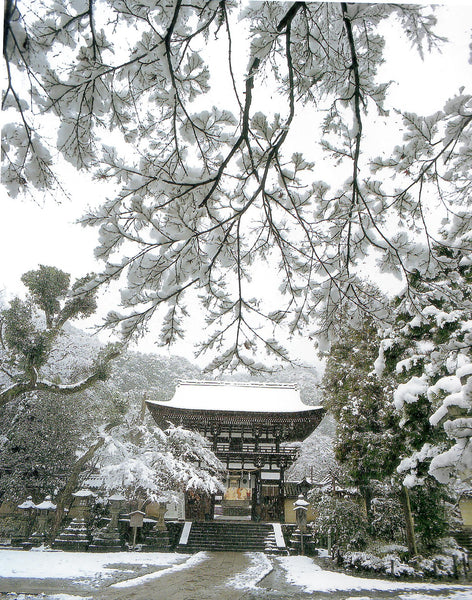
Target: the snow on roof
(83, 494)
(237, 397)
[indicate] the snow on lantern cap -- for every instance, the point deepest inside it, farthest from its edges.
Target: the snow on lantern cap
(46, 504)
(28, 503)
(117, 497)
(84, 494)
(301, 503)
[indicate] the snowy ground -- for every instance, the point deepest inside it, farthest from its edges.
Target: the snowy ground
(84, 567)
(301, 571)
(263, 577)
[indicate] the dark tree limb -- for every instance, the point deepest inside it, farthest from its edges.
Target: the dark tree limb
(41, 385)
(65, 496)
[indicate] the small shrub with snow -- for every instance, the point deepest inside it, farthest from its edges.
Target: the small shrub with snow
(391, 560)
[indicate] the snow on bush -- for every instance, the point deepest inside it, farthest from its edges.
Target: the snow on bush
(390, 560)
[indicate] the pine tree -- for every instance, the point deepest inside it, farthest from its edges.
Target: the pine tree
(209, 187)
(30, 330)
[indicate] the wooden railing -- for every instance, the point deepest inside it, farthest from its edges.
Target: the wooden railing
(251, 449)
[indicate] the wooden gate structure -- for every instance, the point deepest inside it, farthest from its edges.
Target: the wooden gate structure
(251, 428)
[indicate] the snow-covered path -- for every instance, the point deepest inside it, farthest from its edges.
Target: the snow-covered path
(203, 576)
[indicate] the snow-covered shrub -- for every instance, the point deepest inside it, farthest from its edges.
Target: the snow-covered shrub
(391, 560)
(363, 561)
(344, 519)
(387, 517)
(440, 564)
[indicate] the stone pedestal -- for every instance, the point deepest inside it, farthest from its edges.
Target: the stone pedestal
(309, 546)
(38, 537)
(106, 540)
(155, 539)
(20, 529)
(74, 537)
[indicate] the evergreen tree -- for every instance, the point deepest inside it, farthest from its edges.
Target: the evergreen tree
(367, 440)
(374, 440)
(428, 351)
(342, 518)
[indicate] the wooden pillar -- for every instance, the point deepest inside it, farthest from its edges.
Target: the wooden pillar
(215, 431)
(257, 493)
(282, 463)
(277, 435)
(256, 433)
(282, 495)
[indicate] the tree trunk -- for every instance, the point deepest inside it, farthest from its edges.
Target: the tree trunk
(410, 528)
(65, 496)
(367, 498)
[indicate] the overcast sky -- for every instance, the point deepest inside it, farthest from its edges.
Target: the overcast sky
(45, 232)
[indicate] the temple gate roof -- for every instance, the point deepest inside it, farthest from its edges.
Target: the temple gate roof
(237, 397)
(204, 403)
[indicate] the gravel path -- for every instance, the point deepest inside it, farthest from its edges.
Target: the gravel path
(204, 581)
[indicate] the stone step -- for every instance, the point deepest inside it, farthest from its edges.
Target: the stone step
(464, 538)
(229, 536)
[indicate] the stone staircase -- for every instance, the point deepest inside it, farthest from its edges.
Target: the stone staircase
(464, 538)
(232, 536)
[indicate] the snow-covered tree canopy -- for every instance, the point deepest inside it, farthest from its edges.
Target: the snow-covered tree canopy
(429, 351)
(211, 185)
(144, 462)
(30, 337)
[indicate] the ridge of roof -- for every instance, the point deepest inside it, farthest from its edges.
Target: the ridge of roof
(256, 384)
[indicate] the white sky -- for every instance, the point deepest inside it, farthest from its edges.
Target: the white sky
(45, 232)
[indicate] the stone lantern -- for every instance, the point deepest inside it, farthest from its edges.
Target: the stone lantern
(82, 504)
(116, 504)
(156, 538)
(107, 539)
(25, 521)
(301, 508)
(44, 510)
